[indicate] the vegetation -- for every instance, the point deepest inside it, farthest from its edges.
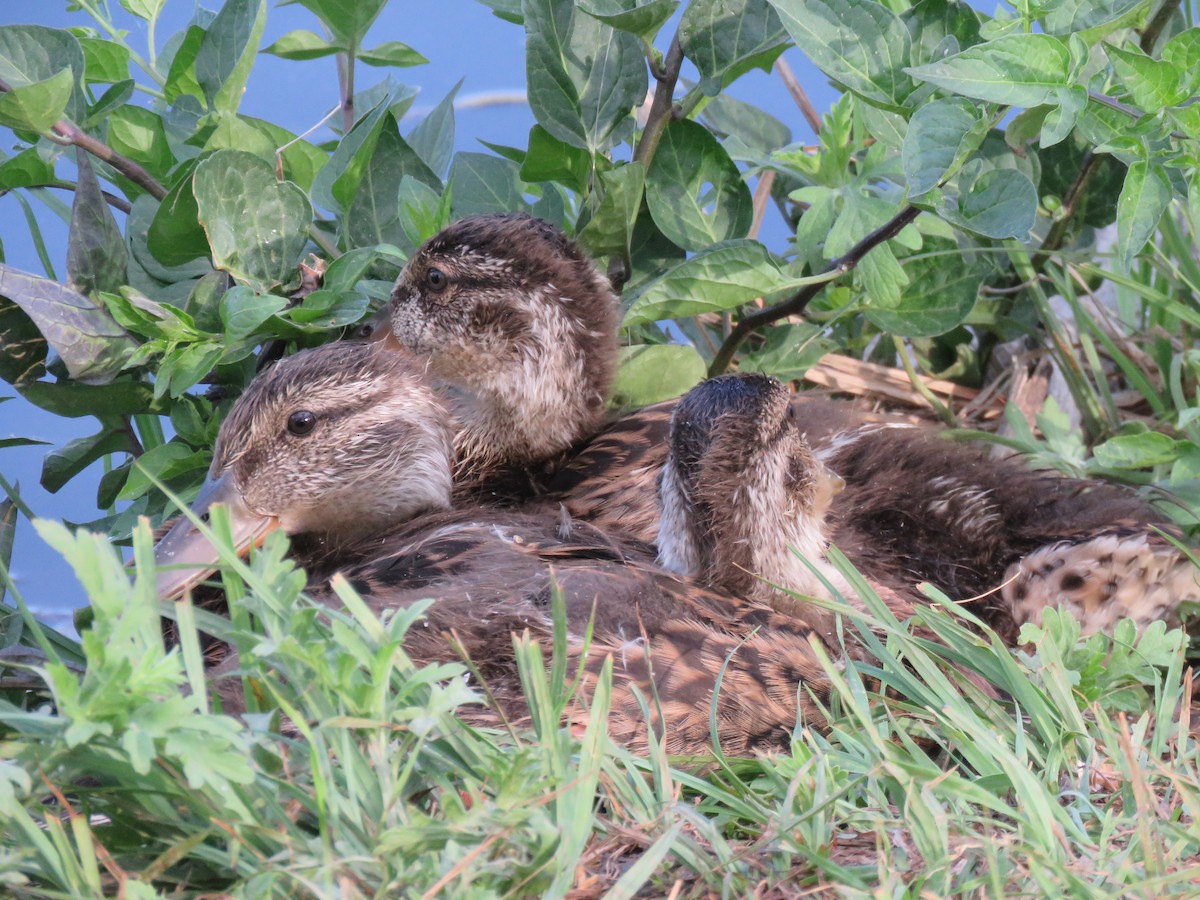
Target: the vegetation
(981, 179)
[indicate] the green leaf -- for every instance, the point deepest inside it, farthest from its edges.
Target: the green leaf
(107, 62)
(92, 345)
(1000, 203)
(1183, 53)
(243, 312)
(30, 54)
(392, 53)
(643, 19)
(176, 236)
(755, 128)
(1152, 83)
(693, 189)
(144, 9)
(36, 107)
(96, 253)
(181, 77)
(1092, 19)
(226, 54)
(1144, 198)
(347, 20)
(930, 22)
(549, 159)
(940, 294)
(480, 183)
(22, 347)
(63, 464)
(727, 40)
(336, 185)
(373, 217)
(649, 373)
(1060, 120)
(66, 398)
(583, 77)
(789, 351)
(717, 278)
(139, 134)
(301, 44)
(433, 136)
(26, 169)
(878, 272)
(1017, 69)
(858, 43)
(941, 137)
(1136, 451)
(110, 101)
(609, 229)
(257, 227)
(164, 462)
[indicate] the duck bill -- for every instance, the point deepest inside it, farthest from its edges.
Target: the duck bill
(185, 556)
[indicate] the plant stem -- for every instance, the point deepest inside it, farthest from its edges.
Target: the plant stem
(811, 116)
(117, 203)
(345, 66)
(662, 108)
(796, 303)
(1155, 26)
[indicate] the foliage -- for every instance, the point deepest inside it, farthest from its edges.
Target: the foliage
(956, 198)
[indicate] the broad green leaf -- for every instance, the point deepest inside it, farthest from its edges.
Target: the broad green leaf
(243, 311)
(930, 22)
(858, 43)
(64, 463)
(139, 134)
(940, 294)
(717, 278)
(878, 272)
(144, 9)
(693, 189)
(549, 159)
(433, 137)
(26, 169)
(1144, 198)
(639, 17)
(111, 100)
(22, 347)
(480, 183)
(1152, 83)
(164, 462)
(181, 76)
(92, 345)
(137, 235)
(96, 253)
(392, 53)
(1060, 120)
(257, 227)
(302, 44)
(649, 373)
(756, 129)
(725, 41)
(1183, 53)
(507, 10)
(788, 352)
(30, 54)
(610, 226)
(227, 53)
(336, 184)
(36, 107)
(941, 136)
(1018, 69)
(1000, 203)
(1136, 451)
(301, 160)
(583, 77)
(184, 367)
(1097, 206)
(347, 20)
(1093, 19)
(373, 217)
(66, 398)
(107, 61)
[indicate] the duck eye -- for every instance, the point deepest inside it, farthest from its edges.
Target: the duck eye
(301, 422)
(436, 279)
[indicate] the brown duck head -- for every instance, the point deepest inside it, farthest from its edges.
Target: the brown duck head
(516, 322)
(339, 441)
(742, 494)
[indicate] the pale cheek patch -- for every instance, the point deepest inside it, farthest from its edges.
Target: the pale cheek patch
(1102, 581)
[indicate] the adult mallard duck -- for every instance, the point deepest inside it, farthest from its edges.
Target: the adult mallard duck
(477, 301)
(347, 448)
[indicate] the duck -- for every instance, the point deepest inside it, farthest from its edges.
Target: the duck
(348, 448)
(916, 508)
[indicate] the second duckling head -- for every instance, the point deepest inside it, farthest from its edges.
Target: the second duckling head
(740, 487)
(515, 318)
(337, 441)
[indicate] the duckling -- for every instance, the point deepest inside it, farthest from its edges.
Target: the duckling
(916, 507)
(517, 325)
(346, 445)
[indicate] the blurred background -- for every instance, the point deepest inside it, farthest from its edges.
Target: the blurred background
(461, 40)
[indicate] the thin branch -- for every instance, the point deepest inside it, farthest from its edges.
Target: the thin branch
(762, 195)
(811, 116)
(1058, 231)
(117, 203)
(1157, 24)
(796, 303)
(663, 106)
(72, 134)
